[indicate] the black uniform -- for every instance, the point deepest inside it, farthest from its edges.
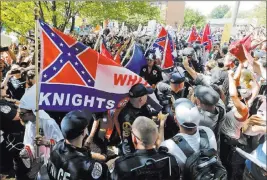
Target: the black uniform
(72, 163)
(126, 118)
(153, 77)
(12, 133)
(164, 93)
(146, 165)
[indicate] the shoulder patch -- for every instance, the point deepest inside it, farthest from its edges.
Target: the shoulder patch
(144, 69)
(111, 167)
(5, 109)
(97, 170)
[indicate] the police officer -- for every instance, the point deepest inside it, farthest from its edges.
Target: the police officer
(69, 160)
(175, 89)
(151, 72)
(137, 106)
(12, 132)
(146, 162)
(167, 94)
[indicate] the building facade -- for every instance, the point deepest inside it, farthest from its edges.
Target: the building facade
(172, 12)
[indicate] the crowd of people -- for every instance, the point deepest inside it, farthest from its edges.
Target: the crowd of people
(212, 104)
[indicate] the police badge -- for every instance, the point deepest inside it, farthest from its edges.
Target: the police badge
(97, 170)
(5, 109)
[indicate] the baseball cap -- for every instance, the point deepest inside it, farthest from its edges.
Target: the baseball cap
(74, 123)
(139, 90)
(177, 78)
(186, 113)
(207, 95)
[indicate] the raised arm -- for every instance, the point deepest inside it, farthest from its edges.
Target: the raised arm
(242, 109)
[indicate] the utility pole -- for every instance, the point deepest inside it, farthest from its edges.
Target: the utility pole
(235, 12)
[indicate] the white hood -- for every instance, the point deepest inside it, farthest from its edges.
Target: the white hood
(28, 101)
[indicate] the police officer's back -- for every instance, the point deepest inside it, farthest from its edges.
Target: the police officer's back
(69, 160)
(146, 162)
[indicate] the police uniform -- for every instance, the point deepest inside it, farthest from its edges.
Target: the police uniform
(154, 76)
(129, 113)
(164, 90)
(146, 164)
(12, 133)
(71, 162)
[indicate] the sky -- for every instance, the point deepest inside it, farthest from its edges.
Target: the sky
(205, 7)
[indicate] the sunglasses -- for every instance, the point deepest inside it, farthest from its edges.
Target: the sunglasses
(136, 136)
(23, 113)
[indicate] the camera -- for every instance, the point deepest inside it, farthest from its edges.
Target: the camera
(3, 49)
(15, 71)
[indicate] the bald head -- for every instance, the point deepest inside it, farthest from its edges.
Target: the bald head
(146, 130)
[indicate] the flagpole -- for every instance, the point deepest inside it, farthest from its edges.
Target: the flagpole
(36, 16)
(128, 51)
(98, 39)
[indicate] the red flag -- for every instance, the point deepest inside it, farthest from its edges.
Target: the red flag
(206, 38)
(199, 38)
(104, 50)
(241, 49)
(168, 60)
(193, 35)
(117, 59)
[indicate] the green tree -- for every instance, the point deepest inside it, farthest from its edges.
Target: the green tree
(219, 11)
(130, 12)
(259, 12)
(19, 16)
(193, 17)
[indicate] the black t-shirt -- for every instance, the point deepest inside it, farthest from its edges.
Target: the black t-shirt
(16, 87)
(153, 77)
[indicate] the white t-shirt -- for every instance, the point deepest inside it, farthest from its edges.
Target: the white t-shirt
(232, 127)
(192, 140)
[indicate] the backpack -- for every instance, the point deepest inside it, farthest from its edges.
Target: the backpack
(202, 165)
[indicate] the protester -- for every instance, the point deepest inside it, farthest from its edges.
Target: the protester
(151, 72)
(188, 118)
(48, 129)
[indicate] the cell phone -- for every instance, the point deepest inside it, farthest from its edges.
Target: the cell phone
(3, 49)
